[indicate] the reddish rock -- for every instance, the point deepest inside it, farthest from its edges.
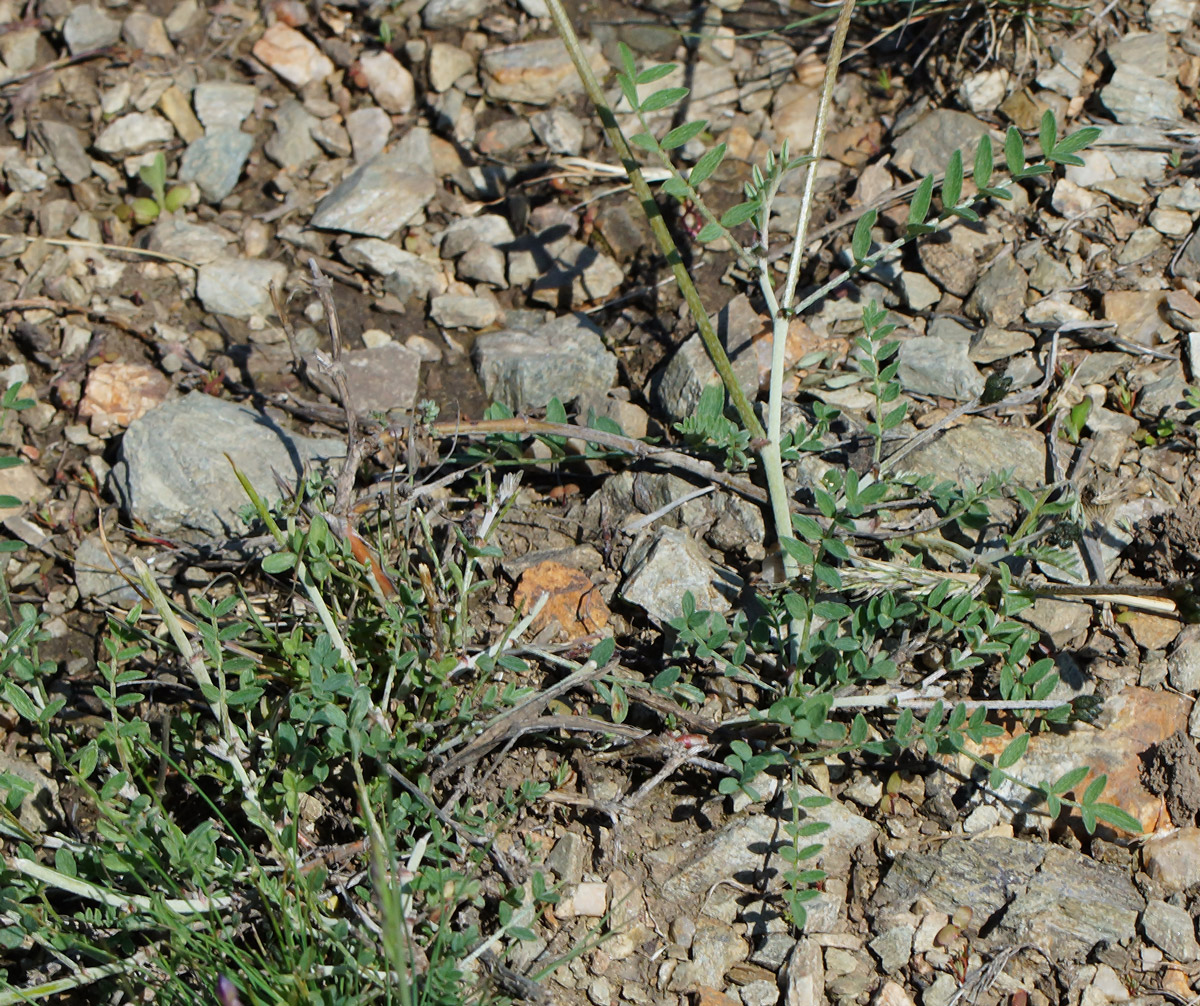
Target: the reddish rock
(573, 600)
(119, 393)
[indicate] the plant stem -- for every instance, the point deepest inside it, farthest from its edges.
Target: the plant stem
(658, 225)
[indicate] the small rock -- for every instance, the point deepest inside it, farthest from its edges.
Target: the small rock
(66, 148)
(1172, 930)
(572, 599)
(1173, 223)
(88, 27)
(660, 569)
(453, 310)
(926, 146)
(983, 92)
(558, 129)
(448, 63)
(1049, 275)
(118, 393)
(1173, 860)
(332, 135)
(1072, 201)
(918, 291)
(385, 259)
(566, 859)
(98, 579)
(239, 288)
(182, 17)
(487, 228)
(376, 200)
(589, 900)
(1183, 664)
(199, 243)
(369, 130)
(483, 264)
(1135, 96)
(599, 991)
(1136, 314)
(390, 84)
(952, 257)
(794, 114)
(1142, 243)
(982, 818)
(940, 367)
(941, 991)
(172, 473)
(1174, 16)
(537, 73)
(716, 947)
(505, 136)
(133, 133)
(178, 110)
(562, 359)
(223, 104)
(1052, 311)
(1065, 74)
(999, 296)
(146, 32)
(580, 272)
(760, 993)
(891, 994)
(893, 947)
(451, 13)
(380, 379)
(976, 449)
(292, 144)
(681, 382)
(292, 56)
(215, 161)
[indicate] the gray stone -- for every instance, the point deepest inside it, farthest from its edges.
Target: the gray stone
(390, 84)
(1172, 930)
(926, 146)
(918, 291)
(579, 275)
(451, 13)
(943, 989)
(759, 993)
(369, 130)
(1163, 398)
(376, 200)
(215, 161)
(223, 104)
(537, 73)
(456, 310)
(483, 264)
(504, 136)
(489, 228)
(663, 566)
(172, 473)
(562, 359)
(98, 579)
(893, 947)
(199, 243)
(740, 848)
(133, 133)
(147, 33)
(1174, 16)
(408, 276)
(1183, 663)
(995, 344)
(414, 152)
(1148, 51)
(20, 49)
(239, 287)
(332, 136)
(678, 387)
(1065, 73)
(567, 859)
(65, 146)
(716, 947)
(88, 27)
(1041, 894)
(380, 379)
(1134, 96)
(292, 144)
(941, 367)
(1049, 275)
(447, 63)
(558, 129)
(953, 258)
(977, 449)
(999, 296)
(773, 951)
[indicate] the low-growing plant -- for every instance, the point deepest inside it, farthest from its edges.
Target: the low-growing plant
(142, 210)
(838, 620)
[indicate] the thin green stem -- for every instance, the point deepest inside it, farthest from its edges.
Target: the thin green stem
(658, 225)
